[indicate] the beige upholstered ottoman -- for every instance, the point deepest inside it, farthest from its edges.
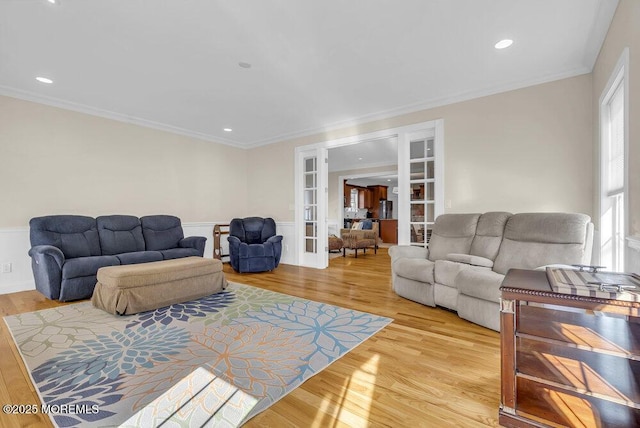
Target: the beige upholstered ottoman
(129, 289)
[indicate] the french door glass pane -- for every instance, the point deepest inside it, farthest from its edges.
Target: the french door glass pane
(417, 149)
(310, 165)
(417, 170)
(310, 181)
(310, 197)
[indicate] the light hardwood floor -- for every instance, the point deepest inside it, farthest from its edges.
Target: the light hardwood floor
(428, 368)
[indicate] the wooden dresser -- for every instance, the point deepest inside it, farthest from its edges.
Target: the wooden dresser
(567, 360)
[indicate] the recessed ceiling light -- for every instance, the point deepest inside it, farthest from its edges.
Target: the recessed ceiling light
(503, 44)
(244, 64)
(388, 179)
(44, 80)
(52, 1)
(359, 158)
(227, 129)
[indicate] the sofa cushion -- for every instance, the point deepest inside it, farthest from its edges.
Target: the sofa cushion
(452, 233)
(489, 232)
(161, 232)
(480, 283)
(139, 257)
(415, 269)
(537, 239)
(120, 234)
(87, 266)
(74, 235)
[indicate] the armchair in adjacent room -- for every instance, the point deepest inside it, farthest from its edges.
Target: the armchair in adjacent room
(254, 245)
(362, 235)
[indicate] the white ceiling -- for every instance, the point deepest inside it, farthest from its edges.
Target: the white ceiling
(316, 65)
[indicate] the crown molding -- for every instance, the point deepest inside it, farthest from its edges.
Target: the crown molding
(381, 115)
(423, 105)
(94, 111)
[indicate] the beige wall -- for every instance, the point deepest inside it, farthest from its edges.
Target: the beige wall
(523, 150)
(54, 161)
(623, 32)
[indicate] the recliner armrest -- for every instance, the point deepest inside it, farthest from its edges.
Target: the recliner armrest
(274, 239)
(407, 251)
(47, 262)
(197, 242)
(40, 251)
(469, 259)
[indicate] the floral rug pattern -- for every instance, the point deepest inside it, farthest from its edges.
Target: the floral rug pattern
(216, 361)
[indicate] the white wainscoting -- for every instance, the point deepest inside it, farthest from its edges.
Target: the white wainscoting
(14, 248)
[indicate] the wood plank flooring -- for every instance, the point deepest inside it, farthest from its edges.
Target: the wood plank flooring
(428, 368)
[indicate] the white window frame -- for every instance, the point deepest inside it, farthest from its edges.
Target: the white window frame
(619, 76)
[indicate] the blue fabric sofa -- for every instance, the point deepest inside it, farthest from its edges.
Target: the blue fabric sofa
(67, 250)
(254, 245)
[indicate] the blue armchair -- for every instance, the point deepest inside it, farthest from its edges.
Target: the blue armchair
(254, 245)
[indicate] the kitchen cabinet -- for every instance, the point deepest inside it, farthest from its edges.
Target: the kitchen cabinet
(389, 231)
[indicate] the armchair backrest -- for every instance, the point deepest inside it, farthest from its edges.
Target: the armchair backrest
(452, 233)
(252, 230)
(120, 234)
(74, 235)
(161, 232)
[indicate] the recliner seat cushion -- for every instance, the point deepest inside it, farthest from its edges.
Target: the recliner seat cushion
(86, 266)
(120, 234)
(139, 257)
(480, 283)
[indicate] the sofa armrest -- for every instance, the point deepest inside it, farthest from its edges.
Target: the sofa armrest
(407, 251)
(469, 259)
(46, 263)
(197, 242)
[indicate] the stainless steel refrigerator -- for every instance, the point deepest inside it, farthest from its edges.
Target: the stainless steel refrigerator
(386, 209)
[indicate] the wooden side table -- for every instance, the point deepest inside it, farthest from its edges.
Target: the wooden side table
(567, 360)
(218, 231)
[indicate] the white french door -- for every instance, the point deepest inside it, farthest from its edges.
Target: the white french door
(420, 184)
(311, 207)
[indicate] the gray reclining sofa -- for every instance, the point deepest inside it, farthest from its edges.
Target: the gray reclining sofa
(67, 250)
(469, 255)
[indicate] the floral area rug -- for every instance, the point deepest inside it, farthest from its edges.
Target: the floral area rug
(216, 361)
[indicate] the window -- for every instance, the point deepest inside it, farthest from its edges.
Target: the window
(613, 171)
